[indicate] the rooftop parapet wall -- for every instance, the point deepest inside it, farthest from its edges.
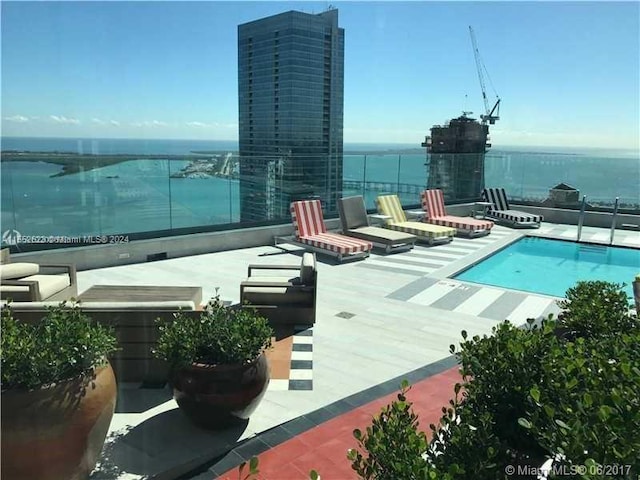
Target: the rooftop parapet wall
(100, 256)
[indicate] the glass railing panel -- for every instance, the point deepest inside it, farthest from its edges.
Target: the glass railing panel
(234, 195)
(381, 177)
(412, 178)
(107, 192)
(84, 201)
(353, 175)
(533, 178)
(201, 190)
(459, 176)
(135, 196)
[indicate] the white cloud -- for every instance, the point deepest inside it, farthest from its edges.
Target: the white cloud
(63, 119)
(97, 121)
(197, 124)
(150, 124)
(115, 123)
(17, 119)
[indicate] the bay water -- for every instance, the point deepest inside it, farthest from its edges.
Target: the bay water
(140, 195)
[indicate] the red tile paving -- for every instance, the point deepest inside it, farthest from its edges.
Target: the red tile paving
(324, 448)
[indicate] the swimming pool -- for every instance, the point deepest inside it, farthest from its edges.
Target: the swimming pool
(550, 267)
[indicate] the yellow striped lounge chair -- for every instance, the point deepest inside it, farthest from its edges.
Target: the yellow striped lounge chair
(433, 205)
(311, 232)
(390, 205)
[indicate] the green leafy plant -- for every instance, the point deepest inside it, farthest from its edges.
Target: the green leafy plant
(595, 309)
(63, 345)
(394, 445)
(589, 408)
(220, 335)
(253, 470)
(528, 394)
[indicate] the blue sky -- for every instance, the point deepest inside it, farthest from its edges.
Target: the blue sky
(568, 73)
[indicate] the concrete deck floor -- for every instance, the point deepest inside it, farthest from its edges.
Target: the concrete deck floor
(403, 313)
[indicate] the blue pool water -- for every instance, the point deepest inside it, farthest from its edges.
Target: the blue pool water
(550, 267)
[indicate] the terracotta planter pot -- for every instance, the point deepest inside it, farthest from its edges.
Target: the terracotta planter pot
(57, 432)
(216, 396)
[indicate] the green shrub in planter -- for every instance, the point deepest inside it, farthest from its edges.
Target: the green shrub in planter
(588, 409)
(58, 394)
(220, 335)
(63, 345)
(393, 442)
(480, 432)
(530, 394)
(595, 309)
(219, 371)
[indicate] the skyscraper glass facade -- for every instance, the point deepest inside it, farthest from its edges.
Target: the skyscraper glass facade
(290, 94)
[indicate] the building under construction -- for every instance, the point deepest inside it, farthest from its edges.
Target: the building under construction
(455, 151)
(455, 157)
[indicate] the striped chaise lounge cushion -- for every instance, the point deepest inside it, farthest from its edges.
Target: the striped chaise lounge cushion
(310, 229)
(433, 205)
(390, 205)
(500, 209)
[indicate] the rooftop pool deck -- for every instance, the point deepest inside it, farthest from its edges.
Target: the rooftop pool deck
(379, 320)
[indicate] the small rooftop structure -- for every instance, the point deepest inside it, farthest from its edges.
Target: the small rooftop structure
(562, 195)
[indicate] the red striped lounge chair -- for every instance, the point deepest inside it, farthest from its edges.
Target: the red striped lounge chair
(500, 210)
(311, 232)
(433, 205)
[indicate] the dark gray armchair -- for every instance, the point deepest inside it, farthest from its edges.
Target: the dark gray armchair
(284, 294)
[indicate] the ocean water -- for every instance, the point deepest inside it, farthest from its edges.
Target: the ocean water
(139, 195)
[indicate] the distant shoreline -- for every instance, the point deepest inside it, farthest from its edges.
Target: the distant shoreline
(76, 162)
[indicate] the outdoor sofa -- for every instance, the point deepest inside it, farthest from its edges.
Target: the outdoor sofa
(31, 282)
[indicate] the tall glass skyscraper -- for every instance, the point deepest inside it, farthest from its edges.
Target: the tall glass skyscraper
(291, 95)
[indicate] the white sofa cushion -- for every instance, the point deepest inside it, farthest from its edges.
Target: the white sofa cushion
(47, 285)
(10, 271)
(307, 268)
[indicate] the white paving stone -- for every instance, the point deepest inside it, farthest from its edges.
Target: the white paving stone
(480, 300)
(433, 293)
(301, 355)
(531, 307)
(301, 374)
(279, 384)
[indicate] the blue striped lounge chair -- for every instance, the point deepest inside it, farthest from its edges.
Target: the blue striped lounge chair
(311, 232)
(433, 205)
(433, 234)
(500, 210)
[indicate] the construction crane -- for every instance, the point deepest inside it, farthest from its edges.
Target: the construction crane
(488, 113)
